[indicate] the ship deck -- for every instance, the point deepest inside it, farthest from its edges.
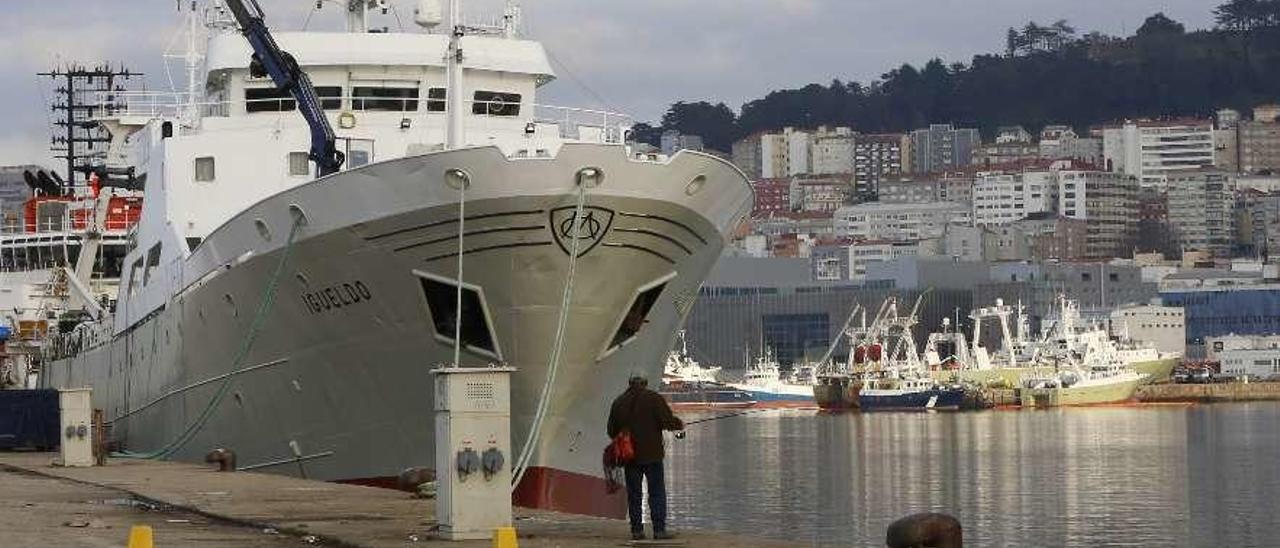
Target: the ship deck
(256, 505)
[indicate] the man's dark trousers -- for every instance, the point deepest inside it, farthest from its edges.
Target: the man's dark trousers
(652, 472)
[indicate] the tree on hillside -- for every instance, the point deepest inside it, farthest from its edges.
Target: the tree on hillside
(716, 124)
(1160, 25)
(1245, 15)
(646, 133)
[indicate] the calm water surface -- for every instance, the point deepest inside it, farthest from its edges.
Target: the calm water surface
(1204, 475)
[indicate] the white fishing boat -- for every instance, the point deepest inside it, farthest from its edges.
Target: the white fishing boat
(682, 367)
(763, 380)
(324, 227)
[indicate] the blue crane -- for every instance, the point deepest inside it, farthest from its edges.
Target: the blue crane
(269, 59)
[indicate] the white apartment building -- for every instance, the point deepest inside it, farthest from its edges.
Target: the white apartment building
(1202, 211)
(774, 156)
(832, 151)
(1164, 327)
(1152, 151)
(899, 222)
(1002, 198)
(1107, 202)
(799, 157)
(864, 254)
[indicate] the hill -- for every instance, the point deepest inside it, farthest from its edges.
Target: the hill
(1048, 74)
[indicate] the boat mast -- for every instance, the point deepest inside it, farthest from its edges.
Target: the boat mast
(358, 16)
(454, 137)
(193, 58)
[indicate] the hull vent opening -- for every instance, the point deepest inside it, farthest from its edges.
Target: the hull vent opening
(442, 302)
(636, 316)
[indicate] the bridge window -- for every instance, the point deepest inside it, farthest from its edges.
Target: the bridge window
(271, 99)
(268, 100)
(330, 97)
(398, 99)
(205, 169)
(496, 103)
(437, 99)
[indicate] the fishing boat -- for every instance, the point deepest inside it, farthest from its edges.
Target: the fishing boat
(682, 394)
(764, 382)
(906, 392)
(1087, 367)
(682, 367)
(331, 215)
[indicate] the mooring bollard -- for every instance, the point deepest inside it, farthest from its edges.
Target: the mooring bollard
(225, 458)
(928, 530)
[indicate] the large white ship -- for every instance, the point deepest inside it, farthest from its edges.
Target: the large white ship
(295, 319)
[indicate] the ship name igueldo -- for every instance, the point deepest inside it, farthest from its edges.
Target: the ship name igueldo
(337, 296)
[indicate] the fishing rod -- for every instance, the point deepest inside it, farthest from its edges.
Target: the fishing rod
(681, 433)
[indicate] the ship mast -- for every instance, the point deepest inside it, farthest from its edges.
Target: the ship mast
(454, 137)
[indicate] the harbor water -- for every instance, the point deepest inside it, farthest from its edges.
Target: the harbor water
(1202, 475)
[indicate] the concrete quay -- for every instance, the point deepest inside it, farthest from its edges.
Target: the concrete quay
(186, 504)
(1210, 393)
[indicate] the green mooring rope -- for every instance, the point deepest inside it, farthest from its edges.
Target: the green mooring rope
(255, 328)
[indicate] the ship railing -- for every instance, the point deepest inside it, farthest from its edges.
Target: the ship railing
(49, 226)
(494, 116)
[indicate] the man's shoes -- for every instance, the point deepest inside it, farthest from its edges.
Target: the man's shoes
(637, 535)
(663, 535)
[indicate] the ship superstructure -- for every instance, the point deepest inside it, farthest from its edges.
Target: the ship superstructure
(294, 316)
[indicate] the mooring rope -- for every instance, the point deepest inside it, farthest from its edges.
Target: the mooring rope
(522, 463)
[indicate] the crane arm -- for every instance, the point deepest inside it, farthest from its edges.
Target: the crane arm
(270, 60)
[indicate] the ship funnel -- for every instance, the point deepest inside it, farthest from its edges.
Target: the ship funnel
(429, 14)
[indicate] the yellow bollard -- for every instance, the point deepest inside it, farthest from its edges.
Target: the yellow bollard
(505, 537)
(140, 537)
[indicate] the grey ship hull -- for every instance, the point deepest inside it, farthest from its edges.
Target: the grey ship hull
(336, 384)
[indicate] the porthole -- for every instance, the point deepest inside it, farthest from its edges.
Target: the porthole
(589, 177)
(457, 179)
(263, 229)
(695, 186)
(298, 214)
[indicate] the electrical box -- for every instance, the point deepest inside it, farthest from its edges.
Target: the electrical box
(75, 408)
(473, 451)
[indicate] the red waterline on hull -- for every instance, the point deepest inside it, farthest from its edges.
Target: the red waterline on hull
(547, 489)
(569, 492)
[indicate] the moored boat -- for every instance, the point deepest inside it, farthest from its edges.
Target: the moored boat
(289, 306)
(910, 393)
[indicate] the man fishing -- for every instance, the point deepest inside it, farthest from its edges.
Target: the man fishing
(644, 414)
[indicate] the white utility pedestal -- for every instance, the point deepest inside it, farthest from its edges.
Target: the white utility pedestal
(473, 451)
(76, 411)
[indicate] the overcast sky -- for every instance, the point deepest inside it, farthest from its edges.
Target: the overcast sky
(633, 56)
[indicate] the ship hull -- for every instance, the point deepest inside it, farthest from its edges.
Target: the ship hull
(837, 392)
(1006, 377)
(1092, 394)
(334, 382)
(1157, 371)
(685, 395)
(780, 398)
(937, 399)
